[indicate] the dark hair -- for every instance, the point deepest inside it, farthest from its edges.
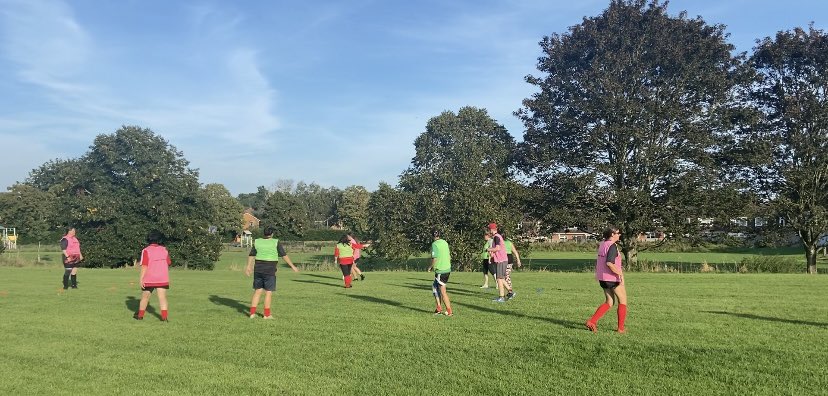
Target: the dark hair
(70, 228)
(154, 237)
(268, 231)
(500, 231)
(609, 231)
(344, 239)
(435, 233)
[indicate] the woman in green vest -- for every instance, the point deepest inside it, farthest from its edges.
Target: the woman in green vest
(344, 256)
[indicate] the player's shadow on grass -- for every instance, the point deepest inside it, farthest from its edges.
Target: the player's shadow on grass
(229, 302)
(769, 318)
(133, 304)
(427, 287)
(560, 322)
(384, 301)
(316, 282)
(323, 276)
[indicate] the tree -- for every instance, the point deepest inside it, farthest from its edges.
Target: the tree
(31, 211)
(321, 202)
(225, 211)
(255, 200)
(629, 110)
(352, 209)
(390, 214)
(460, 180)
(787, 146)
(131, 182)
(286, 214)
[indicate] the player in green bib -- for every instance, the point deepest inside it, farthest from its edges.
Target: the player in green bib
(265, 254)
(441, 262)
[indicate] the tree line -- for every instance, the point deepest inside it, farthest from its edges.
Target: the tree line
(641, 119)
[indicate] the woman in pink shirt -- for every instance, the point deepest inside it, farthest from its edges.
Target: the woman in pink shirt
(155, 274)
(611, 278)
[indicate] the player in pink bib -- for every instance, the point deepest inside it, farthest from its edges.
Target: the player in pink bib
(155, 275)
(610, 276)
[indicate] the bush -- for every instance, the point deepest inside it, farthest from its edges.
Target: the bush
(771, 264)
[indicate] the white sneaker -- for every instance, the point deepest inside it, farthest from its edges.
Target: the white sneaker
(268, 317)
(253, 316)
(484, 287)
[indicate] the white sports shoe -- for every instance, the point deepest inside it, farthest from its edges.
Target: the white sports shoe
(268, 317)
(253, 316)
(484, 287)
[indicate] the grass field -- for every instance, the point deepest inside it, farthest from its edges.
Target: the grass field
(687, 334)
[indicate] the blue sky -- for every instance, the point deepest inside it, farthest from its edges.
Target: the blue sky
(254, 91)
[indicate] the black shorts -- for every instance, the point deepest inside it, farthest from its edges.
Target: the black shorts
(346, 269)
(608, 284)
(68, 267)
(485, 265)
(152, 288)
(510, 258)
(441, 279)
(264, 281)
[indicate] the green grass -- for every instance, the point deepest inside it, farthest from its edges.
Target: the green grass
(687, 334)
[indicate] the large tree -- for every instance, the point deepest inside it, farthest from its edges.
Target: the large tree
(352, 209)
(787, 147)
(285, 213)
(255, 201)
(390, 214)
(626, 119)
(460, 179)
(225, 211)
(129, 183)
(31, 211)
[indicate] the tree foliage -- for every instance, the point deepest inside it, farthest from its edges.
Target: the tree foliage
(786, 148)
(390, 215)
(352, 209)
(225, 211)
(31, 212)
(131, 182)
(626, 119)
(285, 213)
(460, 179)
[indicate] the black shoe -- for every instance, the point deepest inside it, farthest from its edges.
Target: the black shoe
(74, 286)
(361, 277)
(136, 317)
(165, 320)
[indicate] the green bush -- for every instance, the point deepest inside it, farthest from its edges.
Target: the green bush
(771, 264)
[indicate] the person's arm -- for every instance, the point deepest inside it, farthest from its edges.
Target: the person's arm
(80, 253)
(144, 265)
(495, 246)
(251, 258)
(517, 255)
(64, 244)
(290, 263)
(433, 261)
(336, 254)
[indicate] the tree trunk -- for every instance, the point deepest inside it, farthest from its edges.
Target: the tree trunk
(630, 255)
(811, 257)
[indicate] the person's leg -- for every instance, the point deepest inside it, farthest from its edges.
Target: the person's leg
(142, 305)
(509, 278)
(356, 271)
(346, 273)
(446, 299)
(74, 277)
(66, 273)
(621, 297)
(162, 301)
(501, 280)
(267, 300)
(592, 323)
(255, 302)
(435, 290)
(485, 274)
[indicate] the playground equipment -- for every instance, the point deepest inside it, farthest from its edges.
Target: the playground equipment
(9, 238)
(246, 239)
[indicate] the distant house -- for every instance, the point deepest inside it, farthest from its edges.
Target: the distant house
(250, 221)
(571, 235)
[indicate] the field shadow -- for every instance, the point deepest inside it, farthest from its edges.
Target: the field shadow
(426, 287)
(316, 282)
(769, 318)
(324, 276)
(133, 304)
(383, 301)
(230, 303)
(560, 322)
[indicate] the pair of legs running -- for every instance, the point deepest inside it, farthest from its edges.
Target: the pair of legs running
(145, 296)
(614, 292)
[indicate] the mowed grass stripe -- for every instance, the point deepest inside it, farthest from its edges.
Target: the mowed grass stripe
(688, 333)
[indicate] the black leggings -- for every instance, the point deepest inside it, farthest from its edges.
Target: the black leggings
(346, 269)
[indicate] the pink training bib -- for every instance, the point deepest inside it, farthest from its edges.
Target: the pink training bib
(602, 271)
